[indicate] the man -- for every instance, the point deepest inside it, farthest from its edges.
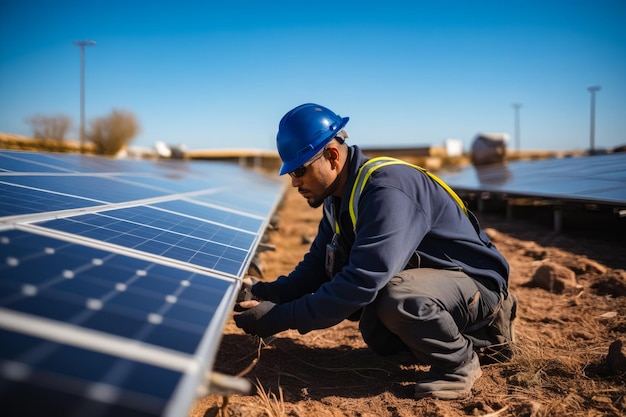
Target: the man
(399, 251)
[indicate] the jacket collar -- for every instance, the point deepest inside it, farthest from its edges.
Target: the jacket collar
(355, 160)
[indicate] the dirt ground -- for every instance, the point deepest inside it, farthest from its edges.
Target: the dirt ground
(563, 338)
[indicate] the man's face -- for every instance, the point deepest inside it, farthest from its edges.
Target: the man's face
(315, 184)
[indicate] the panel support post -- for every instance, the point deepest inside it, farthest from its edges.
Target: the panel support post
(557, 217)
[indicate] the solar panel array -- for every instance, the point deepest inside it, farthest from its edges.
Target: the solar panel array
(117, 277)
(593, 179)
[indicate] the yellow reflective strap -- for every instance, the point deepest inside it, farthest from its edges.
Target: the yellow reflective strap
(449, 190)
(359, 184)
(362, 177)
(379, 162)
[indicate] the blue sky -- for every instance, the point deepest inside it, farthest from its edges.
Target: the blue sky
(221, 74)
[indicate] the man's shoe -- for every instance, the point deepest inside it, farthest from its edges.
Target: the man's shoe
(452, 385)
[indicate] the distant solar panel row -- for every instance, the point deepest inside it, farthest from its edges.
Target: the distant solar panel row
(117, 278)
(592, 179)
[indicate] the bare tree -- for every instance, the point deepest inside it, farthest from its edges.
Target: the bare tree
(50, 127)
(111, 133)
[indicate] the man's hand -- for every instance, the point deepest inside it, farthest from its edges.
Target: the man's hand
(245, 298)
(259, 320)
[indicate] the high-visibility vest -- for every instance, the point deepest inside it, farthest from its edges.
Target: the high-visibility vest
(366, 170)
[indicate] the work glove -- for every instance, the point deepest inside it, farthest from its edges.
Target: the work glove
(262, 320)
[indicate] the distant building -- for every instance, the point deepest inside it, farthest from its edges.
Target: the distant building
(454, 147)
(489, 148)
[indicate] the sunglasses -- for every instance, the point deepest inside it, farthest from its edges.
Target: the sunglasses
(301, 170)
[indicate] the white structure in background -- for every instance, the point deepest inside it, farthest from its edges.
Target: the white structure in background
(164, 150)
(454, 147)
(136, 152)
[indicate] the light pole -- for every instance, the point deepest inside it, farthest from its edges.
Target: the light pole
(516, 107)
(592, 128)
(81, 45)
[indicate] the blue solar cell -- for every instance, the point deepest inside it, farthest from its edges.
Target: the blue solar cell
(97, 188)
(44, 162)
(258, 200)
(162, 381)
(76, 381)
(90, 163)
(174, 184)
(136, 303)
(34, 162)
(188, 313)
(172, 337)
(10, 162)
(26, 266)
(81, 287)
(20, 200)
(43, 307)
(233, 219)
(115, 322)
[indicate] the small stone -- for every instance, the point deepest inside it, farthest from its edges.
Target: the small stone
(554, 277)
(616, 359)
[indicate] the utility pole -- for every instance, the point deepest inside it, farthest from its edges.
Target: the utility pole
(516, 107)
(592, 128)
(81, 45)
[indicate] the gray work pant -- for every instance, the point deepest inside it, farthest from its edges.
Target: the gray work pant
(425, 311)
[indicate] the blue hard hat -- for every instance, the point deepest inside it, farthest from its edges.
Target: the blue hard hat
(303, 132)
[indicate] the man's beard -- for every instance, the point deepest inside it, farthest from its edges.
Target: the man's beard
(315, 203)
(312, 200)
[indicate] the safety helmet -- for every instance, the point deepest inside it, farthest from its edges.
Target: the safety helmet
(303, 132)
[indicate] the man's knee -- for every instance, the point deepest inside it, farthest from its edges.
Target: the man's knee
(415, 318)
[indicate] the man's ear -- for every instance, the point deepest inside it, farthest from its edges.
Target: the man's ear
(333, 156)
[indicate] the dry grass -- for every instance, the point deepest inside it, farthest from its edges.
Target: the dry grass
(560, 378)
(274, 406)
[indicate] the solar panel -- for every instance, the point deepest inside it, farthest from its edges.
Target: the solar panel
(592, 179)
(117, 278)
